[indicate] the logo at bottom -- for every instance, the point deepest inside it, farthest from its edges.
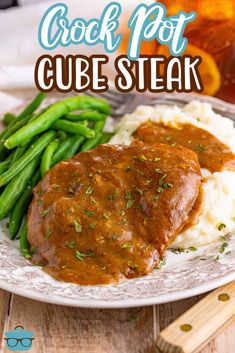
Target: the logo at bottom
(19, 339)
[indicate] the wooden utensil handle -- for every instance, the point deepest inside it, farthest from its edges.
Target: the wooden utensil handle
(194, 328)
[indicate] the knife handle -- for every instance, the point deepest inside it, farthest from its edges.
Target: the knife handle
(196, 326)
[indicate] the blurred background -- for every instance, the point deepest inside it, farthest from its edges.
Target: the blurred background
(211, 35)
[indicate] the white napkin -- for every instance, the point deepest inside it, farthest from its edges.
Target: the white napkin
(19, 45)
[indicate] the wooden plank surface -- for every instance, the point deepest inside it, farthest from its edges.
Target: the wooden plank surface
(64, 329)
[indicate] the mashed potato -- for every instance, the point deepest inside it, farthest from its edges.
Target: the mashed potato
(218, 215)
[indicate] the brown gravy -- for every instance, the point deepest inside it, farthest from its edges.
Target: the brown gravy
(110, 213)
(212, 153)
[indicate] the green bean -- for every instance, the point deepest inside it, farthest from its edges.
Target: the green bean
(32, 106)
(90, 115)
(67, 148)
(47, 157)
(8, 118)
(8, 131)
(73, 128)
(18, 152)
(24, 243)
(21, 206)
(92, 143)
(37, 115)
(16, 187)
(61, 135)
(78, 140)
(64, 146)
(32, 152)
(4, 166)
(106, 137)
(44, 122)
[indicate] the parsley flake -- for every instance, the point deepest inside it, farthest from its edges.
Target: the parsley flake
(89, 213)
(89, 190)
(221, 226)
(77, 226)
(126, 245)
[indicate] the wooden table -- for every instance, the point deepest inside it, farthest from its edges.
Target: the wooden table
(60, 329)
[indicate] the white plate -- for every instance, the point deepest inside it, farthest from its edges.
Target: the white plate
(184, 274)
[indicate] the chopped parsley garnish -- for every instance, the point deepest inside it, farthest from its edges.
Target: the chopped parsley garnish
(48, 233)
(129, 204)
(71, 190)
(160, 189)
(128, 168)
(173, 144)
(140, 192)
(80, 256)
(161, 263)
(178, 250)
(41, 193)
(148, 181)
(68, 212)
(117, 191)
(128, 195)
(40, 202)
(91, 225)
(89, 190)
(157, 170)
(142, 158)
(114, 236)
(126, 245)
(74, 174)
(132, 265)
(110, 197)
(155, 197)
(221, 226)
(89, 213)
(167, 185)
(161, 180)
(122, 213)
(77, 226)
(55, 186)
(157, 159)
(201, 148)
(223, 247)
(182, 250)
(140, 172)
(93, 200)
(192, 248)
(70, 245)
(106, 215)
(44, 213)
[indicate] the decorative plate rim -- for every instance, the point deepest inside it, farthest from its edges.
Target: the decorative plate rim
(120, 304)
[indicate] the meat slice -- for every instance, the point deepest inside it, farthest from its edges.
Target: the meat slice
(110, 213)
(212, 154)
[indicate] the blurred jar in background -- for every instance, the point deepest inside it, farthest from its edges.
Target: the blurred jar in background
(212, 36)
